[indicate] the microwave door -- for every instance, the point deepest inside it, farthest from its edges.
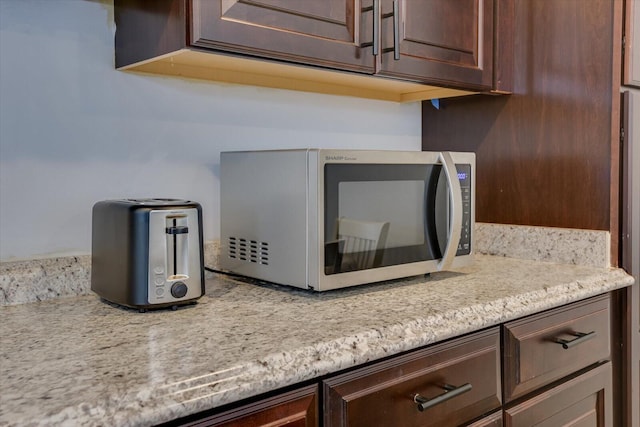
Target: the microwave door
(447, 210)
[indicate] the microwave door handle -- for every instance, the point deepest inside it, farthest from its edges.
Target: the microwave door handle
(455, 197)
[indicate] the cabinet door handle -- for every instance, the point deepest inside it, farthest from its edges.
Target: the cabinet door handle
(396, 31)
(376, 27)
(449, 393)
(580, 337)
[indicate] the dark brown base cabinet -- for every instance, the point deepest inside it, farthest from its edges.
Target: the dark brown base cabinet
(549, 369)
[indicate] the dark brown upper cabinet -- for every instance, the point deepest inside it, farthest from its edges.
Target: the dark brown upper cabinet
(401, 50)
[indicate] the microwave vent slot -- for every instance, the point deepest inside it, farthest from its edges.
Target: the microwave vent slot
(248, 250)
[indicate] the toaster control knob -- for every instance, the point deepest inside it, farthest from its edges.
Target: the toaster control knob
(178, 290)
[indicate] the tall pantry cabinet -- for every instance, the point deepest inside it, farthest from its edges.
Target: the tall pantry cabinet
(550, 153)
(630, 195)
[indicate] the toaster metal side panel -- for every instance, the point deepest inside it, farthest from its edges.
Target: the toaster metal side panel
(263, 215)
(119, 254)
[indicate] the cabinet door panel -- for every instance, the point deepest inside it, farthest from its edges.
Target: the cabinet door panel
(582, 401)
(428, 35)
(441, 41)
(327, 33)
(322, 19)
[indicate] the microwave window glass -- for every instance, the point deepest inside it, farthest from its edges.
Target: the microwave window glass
(381, 215)
(398, 203)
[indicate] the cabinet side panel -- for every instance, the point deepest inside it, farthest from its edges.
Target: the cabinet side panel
(146, 29)
(543, 153)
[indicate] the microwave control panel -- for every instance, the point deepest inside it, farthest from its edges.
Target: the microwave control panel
(464, 176)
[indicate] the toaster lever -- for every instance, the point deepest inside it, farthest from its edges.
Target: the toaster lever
(177, 230)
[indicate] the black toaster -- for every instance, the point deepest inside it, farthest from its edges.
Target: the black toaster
(147, 253)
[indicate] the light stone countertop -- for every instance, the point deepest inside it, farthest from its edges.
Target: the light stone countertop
(81, 361)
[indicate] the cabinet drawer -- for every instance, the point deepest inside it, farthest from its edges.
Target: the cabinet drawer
(383, 394)
(543, 348)
(296, 408)
(582, 401)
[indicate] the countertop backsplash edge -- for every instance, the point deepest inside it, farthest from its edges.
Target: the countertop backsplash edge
(589, 248)
(43, 279)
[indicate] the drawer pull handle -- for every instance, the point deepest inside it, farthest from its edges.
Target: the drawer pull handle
(580, 337)
(450, 393)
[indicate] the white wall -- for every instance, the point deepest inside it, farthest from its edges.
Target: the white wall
(74, 131)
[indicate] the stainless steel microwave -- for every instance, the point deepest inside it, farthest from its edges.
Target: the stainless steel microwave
(327, 219)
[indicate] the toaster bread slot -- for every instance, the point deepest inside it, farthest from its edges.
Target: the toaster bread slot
(177, 230)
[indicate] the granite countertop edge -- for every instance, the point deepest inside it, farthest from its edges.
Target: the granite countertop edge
(374, 344)
(149, 404)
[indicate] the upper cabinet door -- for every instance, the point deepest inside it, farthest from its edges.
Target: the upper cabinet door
(327, 33)
(438, 41)
(631, 69)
